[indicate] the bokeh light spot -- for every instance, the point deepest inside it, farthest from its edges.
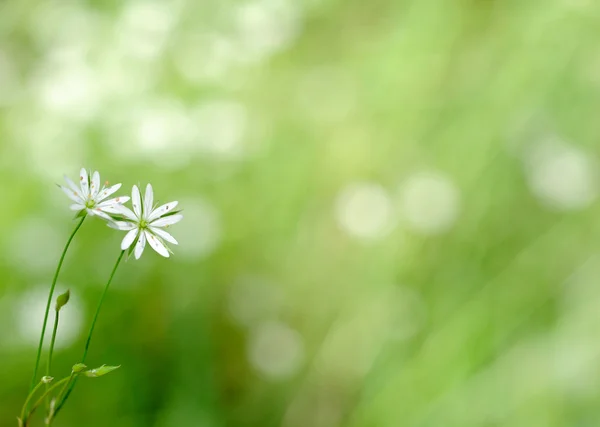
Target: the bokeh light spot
(561, 175)
(430, 202)
(364, 210)
(28, 312)
(275, 350)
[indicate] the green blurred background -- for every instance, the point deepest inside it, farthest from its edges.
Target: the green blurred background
(391, 209)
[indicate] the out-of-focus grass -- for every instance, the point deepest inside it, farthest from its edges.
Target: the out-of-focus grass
(391, 211)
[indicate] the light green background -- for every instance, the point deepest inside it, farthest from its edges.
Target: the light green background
(391, 213)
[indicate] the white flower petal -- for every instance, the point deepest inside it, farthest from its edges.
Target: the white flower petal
(98, 212)
(136, 201)
(169, 220)
(164, 235)
(115, 201)
(73, 195)
(124, 210)
(95, 186)
(164, 209)
(71, 184)
(148, 200)
(84, 181)
(107, 192)
(77, 207)
(141, 244)
(156, 244)
(129, 238)
(109, 209)
(122, 225)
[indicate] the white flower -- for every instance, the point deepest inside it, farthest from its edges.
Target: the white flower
(90, 197)
(145, 223)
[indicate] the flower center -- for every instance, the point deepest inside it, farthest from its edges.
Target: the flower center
(143, 224)
(90, 204)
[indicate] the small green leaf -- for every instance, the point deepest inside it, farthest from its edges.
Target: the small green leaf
(80, 214)
(102, 370)
(62, 300)
(20, 422)
(79, 367)
(47, 380)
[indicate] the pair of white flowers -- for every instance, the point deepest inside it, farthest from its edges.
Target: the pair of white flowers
(145, 224)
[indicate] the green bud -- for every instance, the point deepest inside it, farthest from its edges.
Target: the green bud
(47, 380)
(62, 300)
(80, 367)
(20, 422)
(102, 370)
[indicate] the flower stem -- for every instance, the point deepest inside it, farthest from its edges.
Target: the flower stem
(41, 399)
(89, 338)
(60, 262)
(31, 394)
(52, 341)
(62, 391)
(52, 411)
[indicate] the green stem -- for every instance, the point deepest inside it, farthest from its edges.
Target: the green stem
(52, 341)
(59, 396)
(43, 397)
(60, 262)
(62, 391)
(31, 394)
(89, 338)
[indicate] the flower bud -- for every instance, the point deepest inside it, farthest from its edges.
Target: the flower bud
(62, 300)
(79, 367)
(47, 380)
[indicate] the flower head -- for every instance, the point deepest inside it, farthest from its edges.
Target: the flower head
(145, 223)
(90, 198)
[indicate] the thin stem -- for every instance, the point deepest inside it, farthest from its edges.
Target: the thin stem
(60, 262)
(31, 394)
(43, 396)
(89, 338)
(59, 396)
(62, 391)
(52, 341)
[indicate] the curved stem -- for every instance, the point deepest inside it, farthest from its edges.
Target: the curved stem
(60, 262)
(42, 397)
(89, 338)
(52, 341)
(31, 394)
(62, 391)
(59, 396)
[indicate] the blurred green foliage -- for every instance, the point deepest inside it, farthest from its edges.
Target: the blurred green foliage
(391, 211)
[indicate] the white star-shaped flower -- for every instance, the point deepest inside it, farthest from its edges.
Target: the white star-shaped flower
(90, 197)
(145, 223)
